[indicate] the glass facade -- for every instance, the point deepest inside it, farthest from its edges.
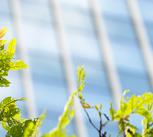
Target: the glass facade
(127, 52)
(46, 65)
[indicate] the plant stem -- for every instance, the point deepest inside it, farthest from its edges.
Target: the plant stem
(90, 120)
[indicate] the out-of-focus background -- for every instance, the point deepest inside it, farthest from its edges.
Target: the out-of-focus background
(113, 39)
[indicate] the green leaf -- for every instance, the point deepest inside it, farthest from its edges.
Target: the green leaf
(81, 78)
(3, 32)
(17, 65)
(112, 112)
(64, 120)
(11, 48)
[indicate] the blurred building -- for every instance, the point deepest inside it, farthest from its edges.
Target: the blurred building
(113, 39)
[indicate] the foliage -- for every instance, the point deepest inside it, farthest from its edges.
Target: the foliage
(7, 61)
(64, 120)
(86, 106)
(12, 122)
(17, 126)
(140, 105)
(10, 116)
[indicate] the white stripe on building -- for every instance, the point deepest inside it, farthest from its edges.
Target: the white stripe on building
(142, 37)
(106, 51)
(21, 42)
(68, 66)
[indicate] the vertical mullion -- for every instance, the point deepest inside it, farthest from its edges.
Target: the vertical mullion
(68, 67)
(106, 51)
(25, 74)
(142, 37)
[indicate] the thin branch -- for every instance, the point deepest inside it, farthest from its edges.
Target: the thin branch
(100, 126)
(90, 119)
(106, 117)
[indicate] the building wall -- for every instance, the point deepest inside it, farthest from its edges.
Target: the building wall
(37, 26)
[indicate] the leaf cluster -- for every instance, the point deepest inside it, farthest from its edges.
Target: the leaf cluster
(13, 123)
(10, 115)
(141, 105)
(86, 106)
(7, 62)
